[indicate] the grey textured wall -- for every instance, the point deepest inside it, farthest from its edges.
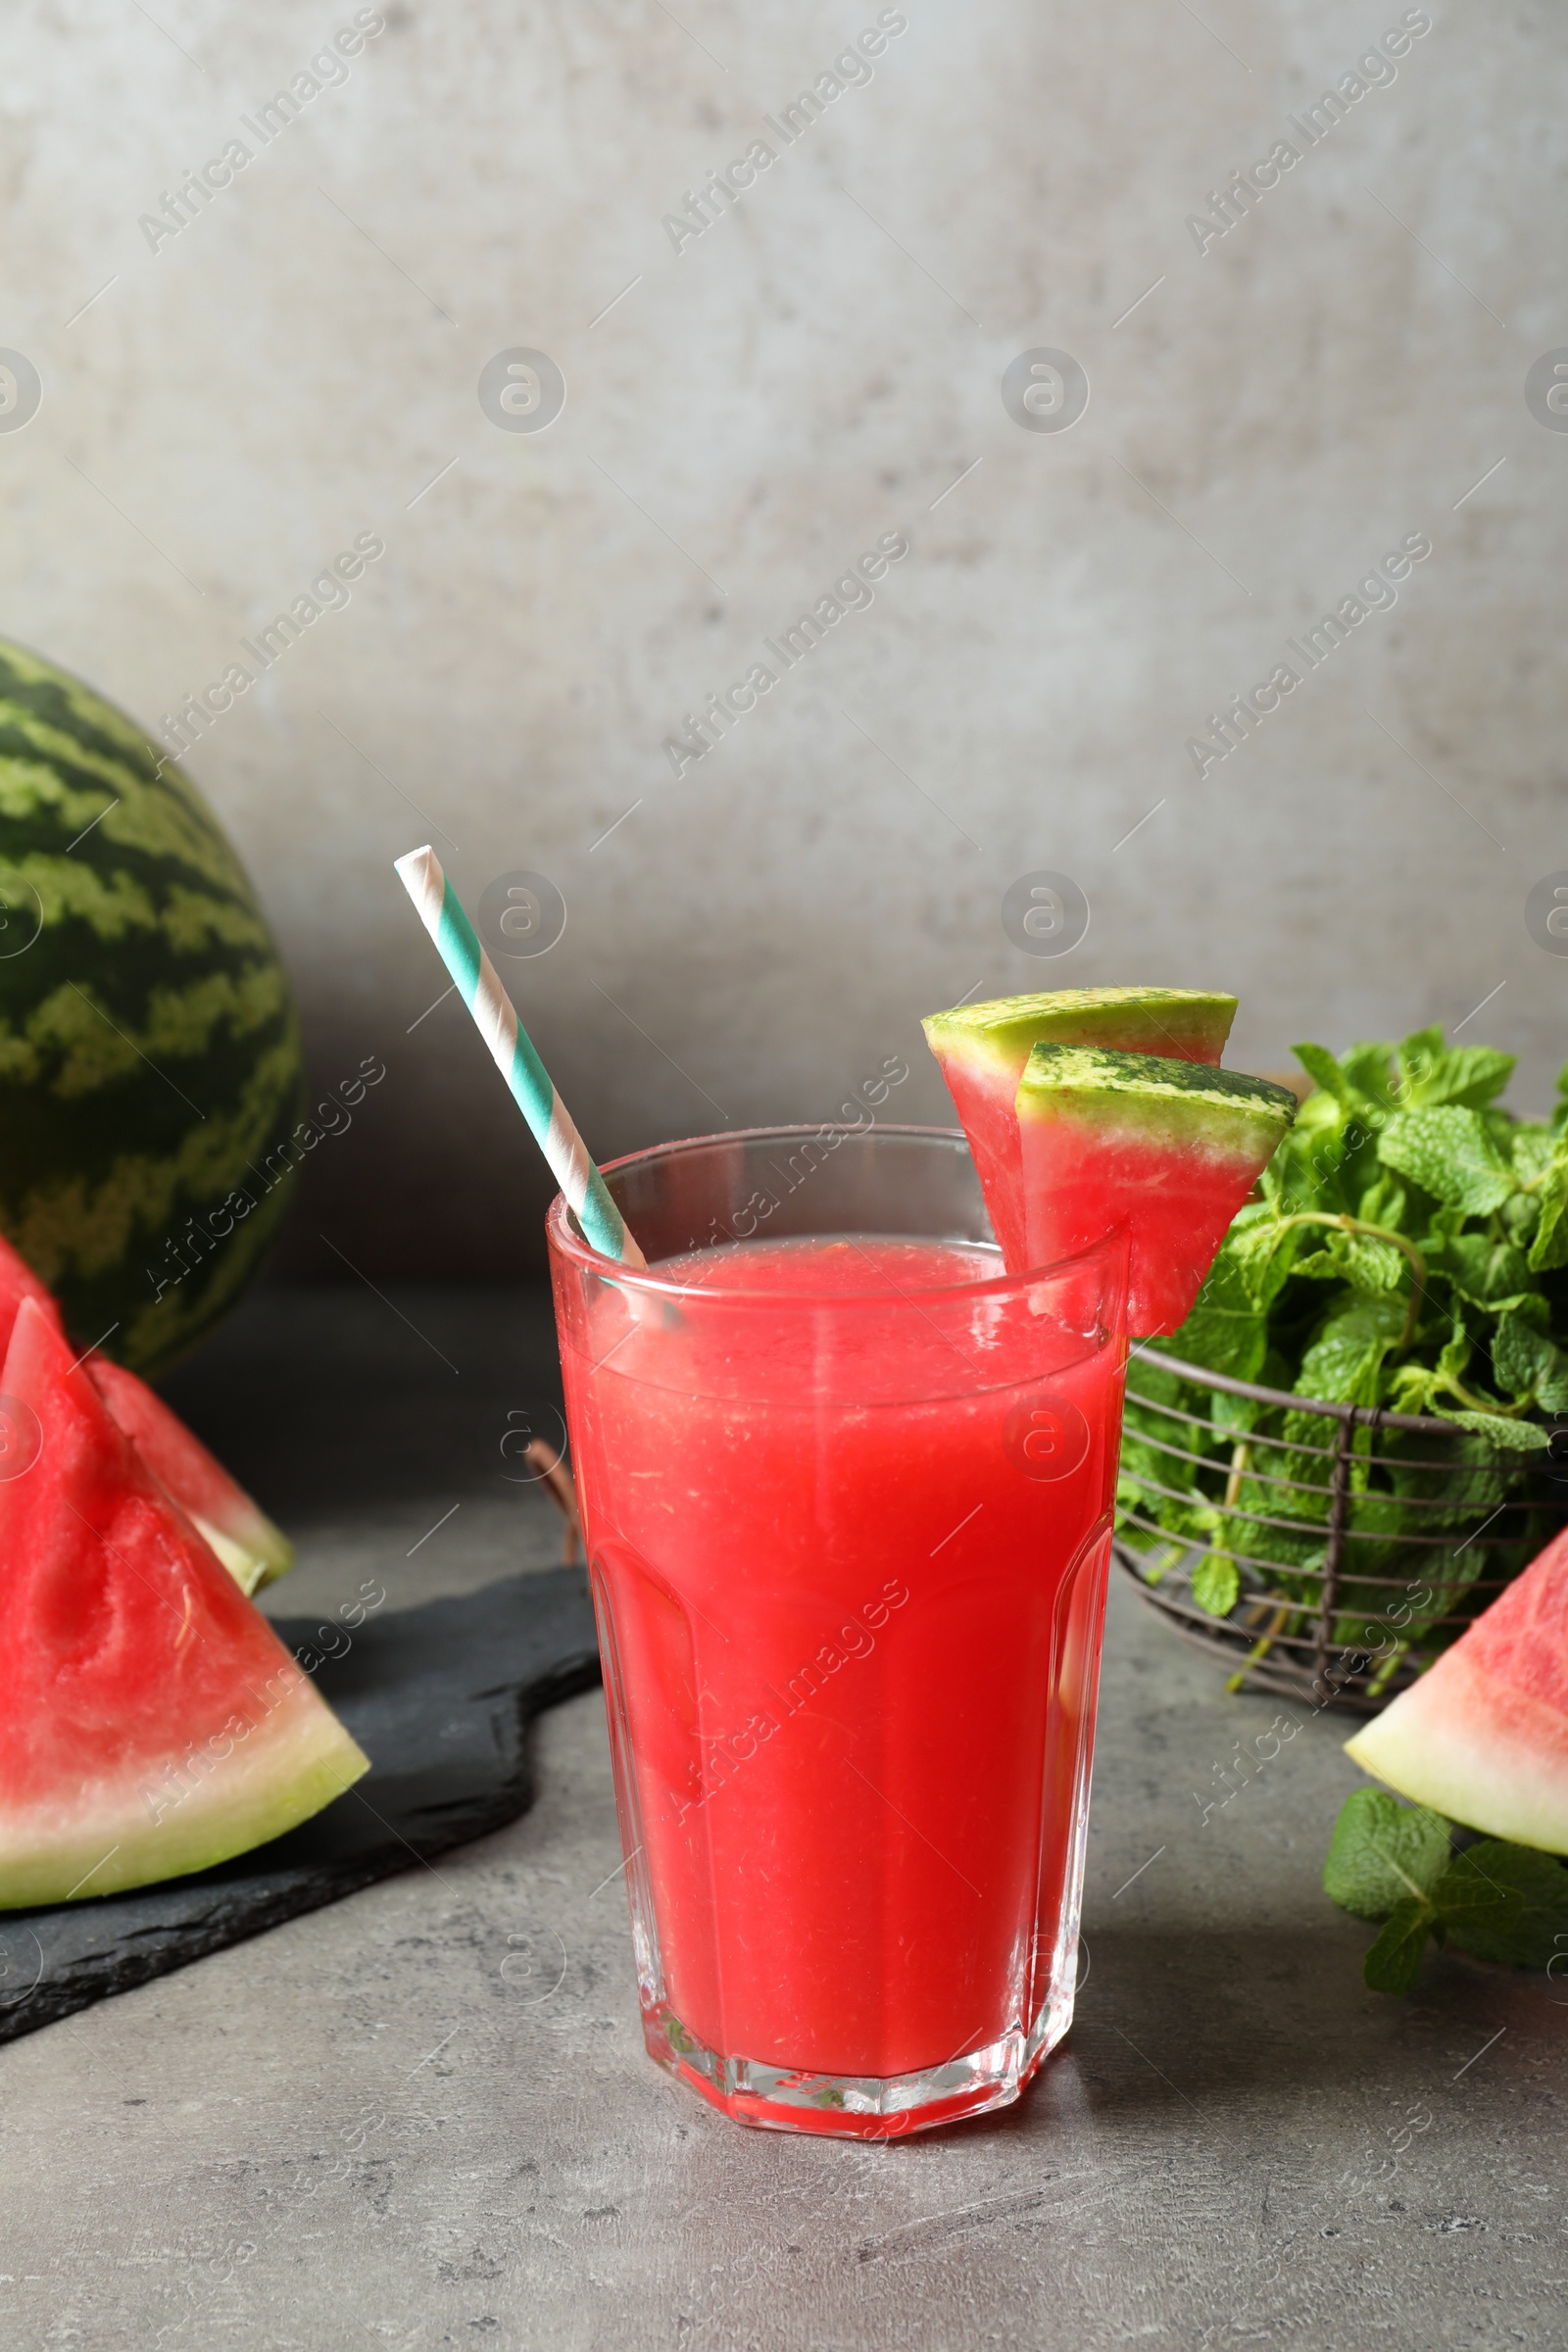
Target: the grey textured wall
(300, 365)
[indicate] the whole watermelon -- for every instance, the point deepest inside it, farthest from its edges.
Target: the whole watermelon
(150, 1072)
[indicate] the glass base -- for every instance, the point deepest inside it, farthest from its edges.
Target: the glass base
(858, 2106)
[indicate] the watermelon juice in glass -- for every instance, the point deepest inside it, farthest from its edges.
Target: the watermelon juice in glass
(846, 1489)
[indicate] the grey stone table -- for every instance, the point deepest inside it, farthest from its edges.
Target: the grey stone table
(389, 2126)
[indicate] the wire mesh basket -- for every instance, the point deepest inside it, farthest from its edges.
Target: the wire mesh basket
(1339, 1549)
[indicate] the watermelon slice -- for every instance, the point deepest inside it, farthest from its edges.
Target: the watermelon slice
(1482, 1737)
(1169, 1148)
(983, 1049)
(250, 1546)
(151, 1722)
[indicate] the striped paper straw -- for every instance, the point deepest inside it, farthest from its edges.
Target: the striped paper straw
(519, 1065)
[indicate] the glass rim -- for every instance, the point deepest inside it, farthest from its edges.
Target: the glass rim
(581, 1252)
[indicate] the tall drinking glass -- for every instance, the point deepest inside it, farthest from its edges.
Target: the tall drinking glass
(846, 1490)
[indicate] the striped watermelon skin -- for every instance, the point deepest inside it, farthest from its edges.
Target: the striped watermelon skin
(150, 1067)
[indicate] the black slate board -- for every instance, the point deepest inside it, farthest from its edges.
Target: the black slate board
(440, 1698)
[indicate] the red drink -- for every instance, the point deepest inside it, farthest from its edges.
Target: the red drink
(847, 1501)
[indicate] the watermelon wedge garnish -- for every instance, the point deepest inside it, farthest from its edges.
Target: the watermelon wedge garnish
(1482, 1736)
(151, 1722)
(983, 1048)
(250, 1546)
(1168, 1149)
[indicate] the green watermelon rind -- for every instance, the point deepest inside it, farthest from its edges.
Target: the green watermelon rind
(150, 1065)
(1174, 1021)
(1175, 1105)
(137, 1832)
(265, 1555)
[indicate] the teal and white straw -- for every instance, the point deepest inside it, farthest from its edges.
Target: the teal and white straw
(515, 1058)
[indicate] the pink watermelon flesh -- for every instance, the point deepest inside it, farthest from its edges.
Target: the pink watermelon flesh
(1482, 1737)
(1168, 1149)
(983, 1049)
(151, 1722)
(250, 1546)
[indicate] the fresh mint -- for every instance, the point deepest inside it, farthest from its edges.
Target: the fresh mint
(1449, 1153)
(1395, 1863)
(1548, 1248)
(1384, 1852)
(1409, 1249)
(1216, 1582)
(1504, 1902)
(1393, 1963)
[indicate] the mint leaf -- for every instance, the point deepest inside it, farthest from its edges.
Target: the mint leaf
(1374, 1264)
(1369, 1069)
(1549, 1248)
(1393, 1964)
(1383, 1853)
(1480, 1911)
(1433, 1072)
(1484, 1269)
(1224, 1331)
(1504, 1902)
(1512, 1436)
(1362, 1259)
(1448, 1151)
(1536, 1311)
(1342, 1363)
(1522, 1215)
(1322, 1068)
(1216, 1582)
(1473, 1075)
(1262, 1249)
(1516, 1349)
(1524, 1359)
(1533, 1147)
(1478, 1075)
(1383, 1204)
(1312, 1167)
(1421, 1055)
(1236, 1414)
